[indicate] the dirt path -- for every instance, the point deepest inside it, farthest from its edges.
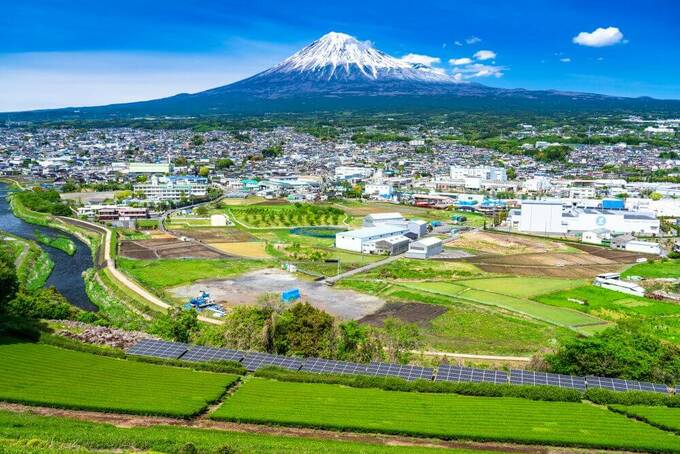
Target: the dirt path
(130, 421)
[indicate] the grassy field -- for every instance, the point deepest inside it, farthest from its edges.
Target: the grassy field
(423, 269)
(34, 266)
(664, 417)
(37, 374)
(440, 415)
(23, 431)
(160, 274)
(117, 310)
(521, 287)
(657, 269)
(550, 314)
(607, 303)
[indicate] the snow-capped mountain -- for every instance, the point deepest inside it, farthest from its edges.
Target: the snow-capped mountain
(338, 56)
(339, 72)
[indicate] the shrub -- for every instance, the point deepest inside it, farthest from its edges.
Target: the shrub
(546, 393)
(607, 397)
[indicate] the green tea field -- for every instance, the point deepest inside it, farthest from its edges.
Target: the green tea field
(665, 417)
(37, 374)
(440, 415)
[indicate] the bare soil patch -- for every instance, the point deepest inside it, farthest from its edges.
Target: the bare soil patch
(217, 234)
(248, 287)
(499, 244)
(168, 248)
(611, 254)
(418, 313)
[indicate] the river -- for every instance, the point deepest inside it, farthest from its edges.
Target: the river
(67, 273)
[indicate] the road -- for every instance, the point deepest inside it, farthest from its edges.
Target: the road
(523, 359)
(333, 279)
(110, 265)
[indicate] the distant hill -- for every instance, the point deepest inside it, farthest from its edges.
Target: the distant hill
(339, 72)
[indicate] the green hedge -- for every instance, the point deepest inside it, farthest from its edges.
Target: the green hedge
(545, 393)
(607, 397)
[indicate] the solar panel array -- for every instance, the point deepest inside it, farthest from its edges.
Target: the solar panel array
(158, 349)
(616, 384)
(525, 377)
(202, 354)
(446, 372)
(399, 370)
(327, 366)
(253, 361)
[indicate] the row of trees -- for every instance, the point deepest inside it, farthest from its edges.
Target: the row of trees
(43, 201)
(298, 330)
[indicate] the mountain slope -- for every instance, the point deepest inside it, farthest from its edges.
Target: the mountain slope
(339, 72)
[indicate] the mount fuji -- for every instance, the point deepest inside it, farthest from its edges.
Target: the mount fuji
(339, 72)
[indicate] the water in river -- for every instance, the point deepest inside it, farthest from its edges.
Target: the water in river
(67, 274)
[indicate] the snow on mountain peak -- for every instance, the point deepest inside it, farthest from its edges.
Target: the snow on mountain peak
(341, 56)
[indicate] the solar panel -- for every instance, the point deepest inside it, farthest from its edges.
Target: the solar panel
(202, 354)
(617, 384)
(327, 366)
(406, 372)
(255, 361)
(158, 349)
(527, 377)
(447, 372)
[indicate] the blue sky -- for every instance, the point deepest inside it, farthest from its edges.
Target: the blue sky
(56, 53)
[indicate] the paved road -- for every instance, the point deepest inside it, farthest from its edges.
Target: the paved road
(524, 359)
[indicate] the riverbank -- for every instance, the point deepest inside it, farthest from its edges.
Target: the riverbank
(33, 265)
(60, 242)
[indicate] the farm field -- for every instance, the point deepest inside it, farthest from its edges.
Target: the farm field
(360, 209)
(440, 415)
(21, 430)
(657, 269)
(607, 303)
(259, 216)
(37, 374)
(664, 417)
(521, 287)
(165, 248)
(248, 249)
(160, 274)
(502, 244)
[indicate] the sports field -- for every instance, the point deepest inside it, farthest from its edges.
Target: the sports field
(664, 417)
(23, 432)
(440, 415)
(37, 374)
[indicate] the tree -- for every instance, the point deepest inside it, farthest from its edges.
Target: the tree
(9, 283)
(249, 328)
(178, 325)
(358, 343)
(69, 186)
(304, 330)
(45, 303)
(197, 140)
(630, 350)
(201, 210)
(203, 171)
(224, 163)
(511, 173)
(655, 196)
(400, 338)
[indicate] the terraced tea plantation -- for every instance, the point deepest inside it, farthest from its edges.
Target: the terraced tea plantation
(37, 374)
(665, 417)
(441, 415)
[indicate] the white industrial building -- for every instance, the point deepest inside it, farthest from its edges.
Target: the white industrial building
(481, 172)
(644, 247)
(363, 240)
(612, 281)
(376, 219)
(172, 188)
(425, 248)
(550, 217)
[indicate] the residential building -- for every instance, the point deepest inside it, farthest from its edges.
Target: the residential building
(173, 188)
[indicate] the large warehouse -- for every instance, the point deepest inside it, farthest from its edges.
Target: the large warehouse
(550, 217)
(363, 240)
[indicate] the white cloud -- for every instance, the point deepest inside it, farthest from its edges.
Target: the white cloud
(600, 37)
(473, 40)
(565, 60)
(457, 43)
(485, 55)
(421, 59)
(478, 70)
(460, 61)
